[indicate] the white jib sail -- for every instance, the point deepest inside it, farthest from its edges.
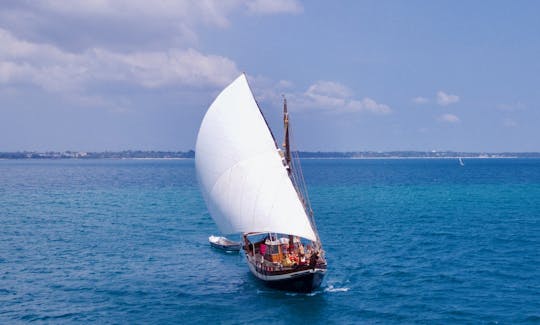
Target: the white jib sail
(243, 180)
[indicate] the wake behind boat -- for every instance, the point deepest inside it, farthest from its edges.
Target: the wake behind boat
(254, 188)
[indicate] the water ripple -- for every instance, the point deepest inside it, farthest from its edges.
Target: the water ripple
(410, 241)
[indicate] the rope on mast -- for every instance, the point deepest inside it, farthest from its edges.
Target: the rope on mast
(292, 159)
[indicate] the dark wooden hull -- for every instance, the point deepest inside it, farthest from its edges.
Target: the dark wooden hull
(304, 283)
(302, 279)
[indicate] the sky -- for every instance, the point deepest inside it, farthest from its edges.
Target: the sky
(362, 75)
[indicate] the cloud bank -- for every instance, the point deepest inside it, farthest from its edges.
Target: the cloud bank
(90, 49)
(54, 69)
(85, 49)
(127, 25)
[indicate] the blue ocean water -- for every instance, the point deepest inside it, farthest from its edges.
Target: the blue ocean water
(407, 241)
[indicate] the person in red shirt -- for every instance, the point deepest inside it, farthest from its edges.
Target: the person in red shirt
(262, 249)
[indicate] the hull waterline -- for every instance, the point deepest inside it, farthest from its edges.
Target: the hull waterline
(303, 280)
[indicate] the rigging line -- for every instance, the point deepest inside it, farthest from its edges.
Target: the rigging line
(301, 184)
(298, 173)
(303, 180)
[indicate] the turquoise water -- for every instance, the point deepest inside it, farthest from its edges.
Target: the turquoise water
(407, 241)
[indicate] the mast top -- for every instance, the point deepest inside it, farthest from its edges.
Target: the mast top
(286, 141)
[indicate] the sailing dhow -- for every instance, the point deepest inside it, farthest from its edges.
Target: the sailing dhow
(253, 187)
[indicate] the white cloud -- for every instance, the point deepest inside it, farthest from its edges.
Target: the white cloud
(445, 99)
(174, 67)
(328, 89)
(369, 105)
(127, 24)
(103, 44)
(274, 6)
(327, 94)
(148, 44)
(206, 12)
(335, 97)
(449, 118)
(118, 24)
(57, 70)
(420, 100)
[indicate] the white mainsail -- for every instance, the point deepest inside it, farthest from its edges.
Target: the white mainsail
(243, 179)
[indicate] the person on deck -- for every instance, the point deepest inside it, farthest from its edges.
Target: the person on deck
(313, 260)
(301, 253)
(262, 249)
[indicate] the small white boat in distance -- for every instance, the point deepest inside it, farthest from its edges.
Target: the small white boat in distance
(224, 244)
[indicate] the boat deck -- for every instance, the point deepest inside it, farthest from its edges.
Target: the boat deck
(274, 268)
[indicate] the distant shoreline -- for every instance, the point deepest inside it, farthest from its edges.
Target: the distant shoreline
(177, 155)
(412, 157)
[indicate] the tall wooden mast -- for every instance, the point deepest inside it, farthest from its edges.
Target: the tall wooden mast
(286, 143)
(296, 175)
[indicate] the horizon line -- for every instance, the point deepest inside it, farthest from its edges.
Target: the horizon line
(305, 151)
